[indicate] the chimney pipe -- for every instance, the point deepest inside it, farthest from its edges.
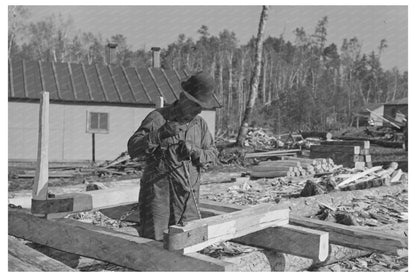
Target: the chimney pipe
(156, 57)
(110, 53)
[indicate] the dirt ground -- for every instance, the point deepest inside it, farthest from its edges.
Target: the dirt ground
(219, 174)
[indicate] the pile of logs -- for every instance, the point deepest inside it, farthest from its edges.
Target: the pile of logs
(354, 154)
(292, 167)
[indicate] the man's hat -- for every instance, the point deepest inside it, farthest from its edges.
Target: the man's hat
(199, 88)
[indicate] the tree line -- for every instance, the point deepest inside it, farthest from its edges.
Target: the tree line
(305, 84)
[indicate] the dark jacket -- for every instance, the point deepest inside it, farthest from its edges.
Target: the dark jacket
(164, 197)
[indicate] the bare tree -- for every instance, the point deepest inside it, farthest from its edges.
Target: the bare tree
(242, 133)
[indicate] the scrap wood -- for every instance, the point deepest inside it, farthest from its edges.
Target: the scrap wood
(358, 175)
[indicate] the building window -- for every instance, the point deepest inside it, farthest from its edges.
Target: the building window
(97, 123)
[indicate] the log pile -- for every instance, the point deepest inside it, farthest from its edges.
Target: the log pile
(348, 153)
(293, 167)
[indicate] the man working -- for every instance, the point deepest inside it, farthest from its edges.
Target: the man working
(177, 144)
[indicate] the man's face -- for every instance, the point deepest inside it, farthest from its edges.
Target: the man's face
(187, 109)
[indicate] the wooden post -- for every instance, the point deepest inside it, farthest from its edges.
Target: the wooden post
(93, 147)
(40, 186)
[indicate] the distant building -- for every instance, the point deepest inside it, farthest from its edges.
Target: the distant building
(106, 99)
(394, 111)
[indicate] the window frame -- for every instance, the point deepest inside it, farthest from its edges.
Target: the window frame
(97, 131)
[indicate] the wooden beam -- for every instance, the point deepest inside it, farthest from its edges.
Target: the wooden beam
(89, 200)
(198, 234)
(294, 240)
(40, 186)
(358, 176)
(107, 245)
(362, 143)
(23, 258)
(354, 237)
(351, 149)
(289, 239)
(272, 154)
(349, 236)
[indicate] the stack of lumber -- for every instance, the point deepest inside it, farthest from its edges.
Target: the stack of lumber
(348, 153)
(292, 167)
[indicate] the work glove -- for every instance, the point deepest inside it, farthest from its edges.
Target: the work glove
(170, 129)
(186, 150)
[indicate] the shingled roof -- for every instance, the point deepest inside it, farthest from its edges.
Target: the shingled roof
(101, 83)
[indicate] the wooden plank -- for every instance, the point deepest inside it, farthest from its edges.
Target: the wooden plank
(272, 153)
(358, 176)
(199, 234)
(352, 236)
(40, 186)
(362, 143)
(23, 258)
(336, 148)
(294, 240)
(107, 245)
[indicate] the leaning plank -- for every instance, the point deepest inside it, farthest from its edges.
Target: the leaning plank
(23, 258)
(295, 240)
(199, 234)
(107, 245)
(354, 237)
(358, 176)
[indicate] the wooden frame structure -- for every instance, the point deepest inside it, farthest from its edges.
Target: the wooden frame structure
(266, 226)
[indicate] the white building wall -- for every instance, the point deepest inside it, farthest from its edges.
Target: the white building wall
(68, 139)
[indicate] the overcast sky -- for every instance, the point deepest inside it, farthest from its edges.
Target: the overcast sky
(147, 26)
